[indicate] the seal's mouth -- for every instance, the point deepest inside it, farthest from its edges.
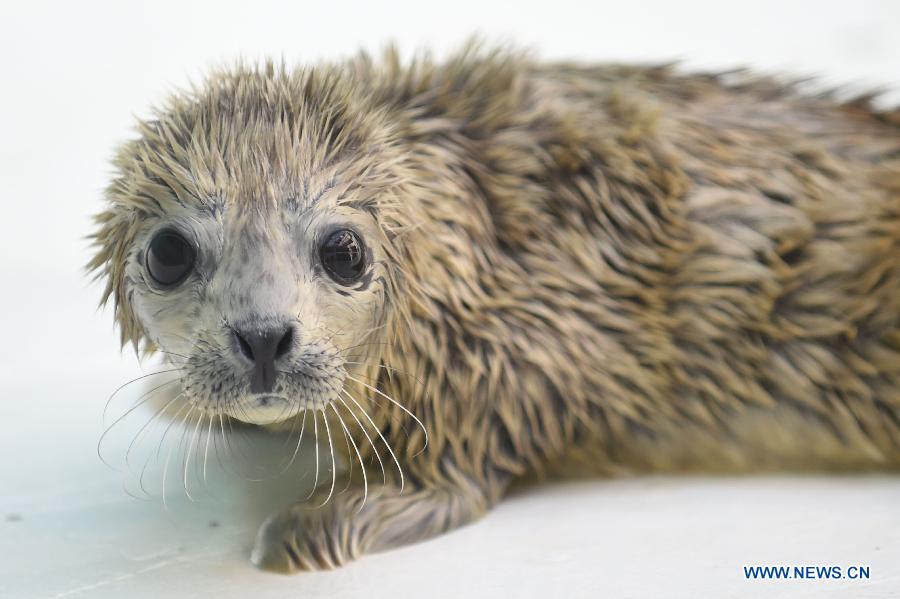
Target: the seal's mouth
(264, 409)
(265, 401)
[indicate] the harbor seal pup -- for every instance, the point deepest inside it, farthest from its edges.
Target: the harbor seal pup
(485, 267)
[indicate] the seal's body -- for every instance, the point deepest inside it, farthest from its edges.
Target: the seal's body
(638, 269)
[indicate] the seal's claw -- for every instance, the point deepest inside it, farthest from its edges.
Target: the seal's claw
(302, 538)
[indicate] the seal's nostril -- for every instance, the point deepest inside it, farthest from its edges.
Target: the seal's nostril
(284, 345)
(243, 346)
(264, 344)
(262, 347)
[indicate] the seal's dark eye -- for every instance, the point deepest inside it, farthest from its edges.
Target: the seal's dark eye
(343, 256)
(169, 258)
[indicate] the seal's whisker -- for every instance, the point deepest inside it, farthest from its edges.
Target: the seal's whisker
(291, 409)
(362, 466)
(183, 338)
(316, 431)
(159, 448)
(134, 380)
(192, 448)
(164, 477)
(287, 412)
(141, 477)
(198, 452)
(149, 352)
(342, 351)
(216, 435)
(157, 349)
(238, 433)
(165, 474)
(156, 416)
(333, 463)
(299, 441)
(225, 443)
(365, 432)
(365, 334)
(347, 441)
(141, 400)
(130, 494)
(187, 449)
(333, 333)
(390, 369)
(206, 452)
(399, 405)
(290, 434)
(383, 440)
(286, 463)
(150, 421)
(394, 418)
(216, 441)
(241, 438)
(169, 427)
(185, 430)
(171, 353)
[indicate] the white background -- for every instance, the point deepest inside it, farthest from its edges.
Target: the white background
(73, 76)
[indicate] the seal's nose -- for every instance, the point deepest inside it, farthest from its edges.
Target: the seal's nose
(262, 347)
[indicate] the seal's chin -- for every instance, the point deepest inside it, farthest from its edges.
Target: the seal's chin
(262, 409)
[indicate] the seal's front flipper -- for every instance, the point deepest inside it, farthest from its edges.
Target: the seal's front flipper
(307, 537)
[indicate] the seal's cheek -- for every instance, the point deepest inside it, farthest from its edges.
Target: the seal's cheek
(356, 317)
(171, 321)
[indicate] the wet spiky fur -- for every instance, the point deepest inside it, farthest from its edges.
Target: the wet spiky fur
(636, 268)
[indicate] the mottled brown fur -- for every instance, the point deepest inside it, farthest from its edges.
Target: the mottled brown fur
(643, 270)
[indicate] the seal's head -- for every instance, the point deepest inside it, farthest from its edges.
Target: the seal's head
(248, 237)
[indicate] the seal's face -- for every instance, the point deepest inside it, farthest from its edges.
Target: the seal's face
(262, 309)
(245, 240)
